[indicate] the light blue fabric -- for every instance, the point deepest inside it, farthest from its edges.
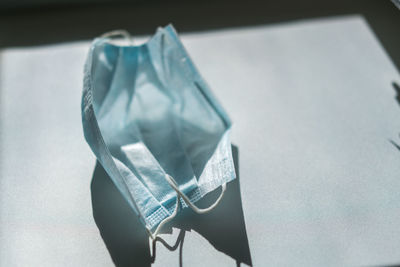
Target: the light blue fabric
(146, 111)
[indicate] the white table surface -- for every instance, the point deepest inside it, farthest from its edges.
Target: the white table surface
(314, 111)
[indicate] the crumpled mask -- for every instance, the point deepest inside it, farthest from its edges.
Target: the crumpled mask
(153, 124)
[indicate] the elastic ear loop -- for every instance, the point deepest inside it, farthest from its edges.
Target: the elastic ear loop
(122, 33)
(174, 185)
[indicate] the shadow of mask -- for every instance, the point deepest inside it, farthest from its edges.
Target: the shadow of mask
(120, 228)
(128, 242)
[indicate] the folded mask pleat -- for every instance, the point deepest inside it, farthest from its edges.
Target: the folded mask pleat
(108, 57)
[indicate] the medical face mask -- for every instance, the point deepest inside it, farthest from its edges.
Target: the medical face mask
(153, 124)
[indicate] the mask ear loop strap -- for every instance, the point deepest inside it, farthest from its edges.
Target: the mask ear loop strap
(122, 33)
(179, 193)
(174, 185)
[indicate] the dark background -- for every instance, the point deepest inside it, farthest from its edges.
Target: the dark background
(36, 22)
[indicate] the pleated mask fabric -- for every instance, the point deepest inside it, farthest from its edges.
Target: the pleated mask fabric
(154, 125)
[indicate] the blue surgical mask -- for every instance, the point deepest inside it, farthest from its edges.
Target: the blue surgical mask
(153, 124)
